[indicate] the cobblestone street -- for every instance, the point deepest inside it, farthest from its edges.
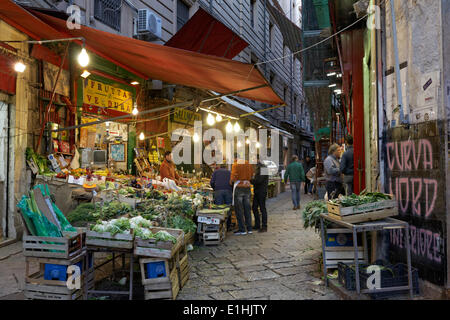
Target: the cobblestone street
(282, 264)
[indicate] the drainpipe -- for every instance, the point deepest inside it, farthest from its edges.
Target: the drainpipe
(265, 39)
(381, 96)
(397, 66)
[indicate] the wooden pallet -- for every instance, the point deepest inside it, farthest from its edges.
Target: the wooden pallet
(48, 292)
(166, 287)
(365, 212)
(70, 245)
(159, 249)
(107, 240)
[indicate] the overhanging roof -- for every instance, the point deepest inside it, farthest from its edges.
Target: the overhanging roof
(205, 34)
(149, 60)
(292, 34)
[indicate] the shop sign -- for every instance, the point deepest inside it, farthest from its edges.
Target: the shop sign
(101, 95)
(186, 116)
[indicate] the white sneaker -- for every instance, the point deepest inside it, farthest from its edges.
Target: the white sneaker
(239, 233)
(250, 232)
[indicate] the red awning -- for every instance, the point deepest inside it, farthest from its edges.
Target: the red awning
(150, 60)
(24, 21)
(204, 34)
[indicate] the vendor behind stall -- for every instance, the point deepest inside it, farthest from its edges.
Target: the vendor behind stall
(167, 168)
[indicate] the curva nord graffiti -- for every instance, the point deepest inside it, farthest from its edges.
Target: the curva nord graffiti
(414, 177)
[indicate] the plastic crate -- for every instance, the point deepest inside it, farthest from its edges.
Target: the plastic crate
(391, 276)
(58, 271)
(156, 270)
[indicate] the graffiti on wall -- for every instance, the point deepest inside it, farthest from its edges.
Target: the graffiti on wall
(416, 180)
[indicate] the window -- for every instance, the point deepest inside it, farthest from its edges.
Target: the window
(253, 58)
(285, 54)
(252, 12)
(182, 14)
(108, 12)
(272, 78)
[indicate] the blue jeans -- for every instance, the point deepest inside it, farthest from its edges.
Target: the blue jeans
(295, 189)
(242, 207)
(223, 197)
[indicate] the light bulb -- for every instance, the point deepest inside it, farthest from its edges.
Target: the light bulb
(237, 127)
(141, 136)
(218, 118)
(195, 137)
(239, 144)
(20, 67)
(257, 145)
(229, 127)
(210, 119)
(247, 141)
(135, 110)
(107, 123)
(83, 58)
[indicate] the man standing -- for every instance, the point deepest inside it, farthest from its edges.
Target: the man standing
(347, 165)
(167, 168)
(333, 172)
(296, 175)
(223, 191)
(260, 183)
(241, 174)
(308, 164)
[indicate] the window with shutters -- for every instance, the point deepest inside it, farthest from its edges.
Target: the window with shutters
(252, 12)
(108, 12)
(182, 14)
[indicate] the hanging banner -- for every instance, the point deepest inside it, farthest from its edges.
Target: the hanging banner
(185, 116)
(98, 94)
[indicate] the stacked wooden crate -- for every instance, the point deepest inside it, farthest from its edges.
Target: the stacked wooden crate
(211, 225)
(161, 265)
(54, 255)
(339, 247)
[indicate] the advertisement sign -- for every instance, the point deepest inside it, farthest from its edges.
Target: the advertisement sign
(101, 95)
(185, 116)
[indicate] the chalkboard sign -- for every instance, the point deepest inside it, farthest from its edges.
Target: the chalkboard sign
(117, 152)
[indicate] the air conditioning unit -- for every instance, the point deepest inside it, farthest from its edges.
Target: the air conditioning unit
(148, 21)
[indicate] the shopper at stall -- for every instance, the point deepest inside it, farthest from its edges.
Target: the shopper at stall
(260, 183)
(167, 168)
(241, 174)
(296, 175)
(223, 191)
(347, 165)
(333, 172)
(307, 165)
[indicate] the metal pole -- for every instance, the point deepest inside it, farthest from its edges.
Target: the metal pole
(324, 258)
(408, 259)
(355, 246)
(131, 274)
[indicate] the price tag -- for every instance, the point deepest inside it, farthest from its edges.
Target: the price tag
(208, 220)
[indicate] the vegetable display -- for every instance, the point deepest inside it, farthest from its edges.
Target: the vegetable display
(88, 212)
(356, 200)
(311, 214)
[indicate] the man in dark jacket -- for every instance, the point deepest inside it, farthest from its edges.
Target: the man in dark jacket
(307, 165)
(223, 190)
(260, 183)
(347, 165)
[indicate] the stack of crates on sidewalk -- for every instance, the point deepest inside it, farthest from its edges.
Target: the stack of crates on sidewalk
(161, 265)
(212, 225)
(54, 256)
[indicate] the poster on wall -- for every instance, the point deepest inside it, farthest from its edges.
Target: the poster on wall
(100, 97)
(50, 74)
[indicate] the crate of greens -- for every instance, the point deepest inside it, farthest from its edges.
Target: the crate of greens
(115, 233)
(364, 207)
(158, 242)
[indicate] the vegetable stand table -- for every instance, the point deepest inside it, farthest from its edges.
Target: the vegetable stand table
(379, 225)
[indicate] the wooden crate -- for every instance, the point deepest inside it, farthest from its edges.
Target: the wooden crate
(37, 287)
(159, 249)
(365, 212)
(189, 238)
(70, 245)
(182, 262)
(339, 247)
(107, 240)
(166, 287)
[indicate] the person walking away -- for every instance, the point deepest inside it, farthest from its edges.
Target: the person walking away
(260, 183)
(347, 165)
(241, 174)
(333, 172)
(223, 191)
(308, 164)
(167, 168)
(296, 175)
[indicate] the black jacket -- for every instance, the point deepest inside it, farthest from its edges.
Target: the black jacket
(260, 181)
(347, 162)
